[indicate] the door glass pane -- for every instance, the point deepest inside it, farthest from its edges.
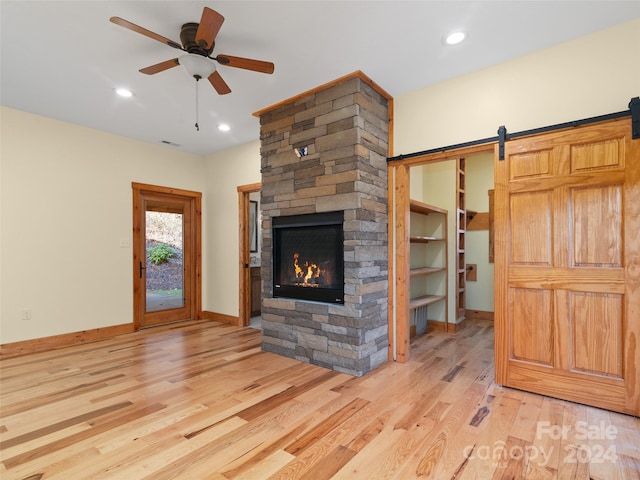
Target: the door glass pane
(165, 267)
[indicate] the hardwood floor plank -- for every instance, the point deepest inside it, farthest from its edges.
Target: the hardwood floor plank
(68, 393)
(255, 411)
(318, 432)
(266, 454)
(76, 437)
(62, 425)
(264, 467)
(330, 464)
(337, 433)
(200, 400)
(371, 431)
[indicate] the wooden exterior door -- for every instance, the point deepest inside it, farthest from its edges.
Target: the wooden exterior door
(567, 265)
(152, 308)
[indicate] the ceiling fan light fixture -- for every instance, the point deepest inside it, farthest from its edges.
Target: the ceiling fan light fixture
(197, 66)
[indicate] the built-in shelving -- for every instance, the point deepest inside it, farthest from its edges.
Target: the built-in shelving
(428, 274)
(461, 229)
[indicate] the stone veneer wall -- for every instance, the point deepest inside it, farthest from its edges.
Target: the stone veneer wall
(345, 128)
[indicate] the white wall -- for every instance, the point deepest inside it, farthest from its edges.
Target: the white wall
(66, 204)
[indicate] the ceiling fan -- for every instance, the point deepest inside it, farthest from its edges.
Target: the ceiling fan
(198, 40)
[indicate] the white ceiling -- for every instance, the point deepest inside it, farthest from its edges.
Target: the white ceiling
(63, 59)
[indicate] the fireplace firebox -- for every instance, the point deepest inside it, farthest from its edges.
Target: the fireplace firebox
(308, 257)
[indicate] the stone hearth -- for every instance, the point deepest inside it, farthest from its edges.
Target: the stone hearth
(344, 127)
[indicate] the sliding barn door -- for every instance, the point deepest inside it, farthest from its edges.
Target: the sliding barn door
(567, 265)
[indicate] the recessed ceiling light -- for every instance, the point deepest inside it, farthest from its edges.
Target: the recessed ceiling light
(454, 38)
(223, 127)
(124, 92)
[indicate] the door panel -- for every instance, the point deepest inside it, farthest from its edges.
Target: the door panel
(531, 329)
(597, 226)
(568, 265)
(596, 333)
(531, 228)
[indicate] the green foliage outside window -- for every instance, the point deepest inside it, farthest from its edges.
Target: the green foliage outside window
(160, 253)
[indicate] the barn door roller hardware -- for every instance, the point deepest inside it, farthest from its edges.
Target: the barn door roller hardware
(634, 106)
(634, 111)
(503, 136)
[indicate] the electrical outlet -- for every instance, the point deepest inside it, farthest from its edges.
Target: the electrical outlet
(26, 314)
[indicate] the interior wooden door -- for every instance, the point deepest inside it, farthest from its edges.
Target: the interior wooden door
(567, 265)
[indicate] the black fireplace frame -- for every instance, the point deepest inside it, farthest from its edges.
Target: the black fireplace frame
(319, 294)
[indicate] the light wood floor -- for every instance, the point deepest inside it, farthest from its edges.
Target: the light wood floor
(202, 401)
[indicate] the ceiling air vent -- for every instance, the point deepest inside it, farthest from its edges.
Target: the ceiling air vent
(167, 142)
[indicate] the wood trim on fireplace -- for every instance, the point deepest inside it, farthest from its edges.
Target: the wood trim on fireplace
(356, 74)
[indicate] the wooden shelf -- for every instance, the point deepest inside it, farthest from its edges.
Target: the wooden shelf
(424, 301)
(426, 271)
(425, 209)
(417, 239)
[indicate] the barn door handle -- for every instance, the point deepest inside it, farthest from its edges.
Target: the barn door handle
(141, 269)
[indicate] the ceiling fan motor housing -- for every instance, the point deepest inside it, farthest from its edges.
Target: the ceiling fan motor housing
(188, 39)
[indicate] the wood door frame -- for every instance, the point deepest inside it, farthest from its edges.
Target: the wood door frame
(195, 201)
(398, 278)
(244, 262)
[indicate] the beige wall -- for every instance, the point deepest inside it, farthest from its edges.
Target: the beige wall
(66, 190)
(435, 184)
(479, 294)
(224, 172)
(589, 76)
(66, 205)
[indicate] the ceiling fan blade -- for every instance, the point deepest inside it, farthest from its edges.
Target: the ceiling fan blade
(160, 67)
(246, 63)
(219, 84)
(209, 27)
(143, 31)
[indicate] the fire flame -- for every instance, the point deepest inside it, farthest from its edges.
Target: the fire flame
(312, 270)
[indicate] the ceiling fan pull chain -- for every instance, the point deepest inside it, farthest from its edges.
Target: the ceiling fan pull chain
(197, 81)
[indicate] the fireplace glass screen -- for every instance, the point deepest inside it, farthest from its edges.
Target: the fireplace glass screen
(308, 257)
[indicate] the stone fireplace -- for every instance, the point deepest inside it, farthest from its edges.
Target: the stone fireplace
(324, 158)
